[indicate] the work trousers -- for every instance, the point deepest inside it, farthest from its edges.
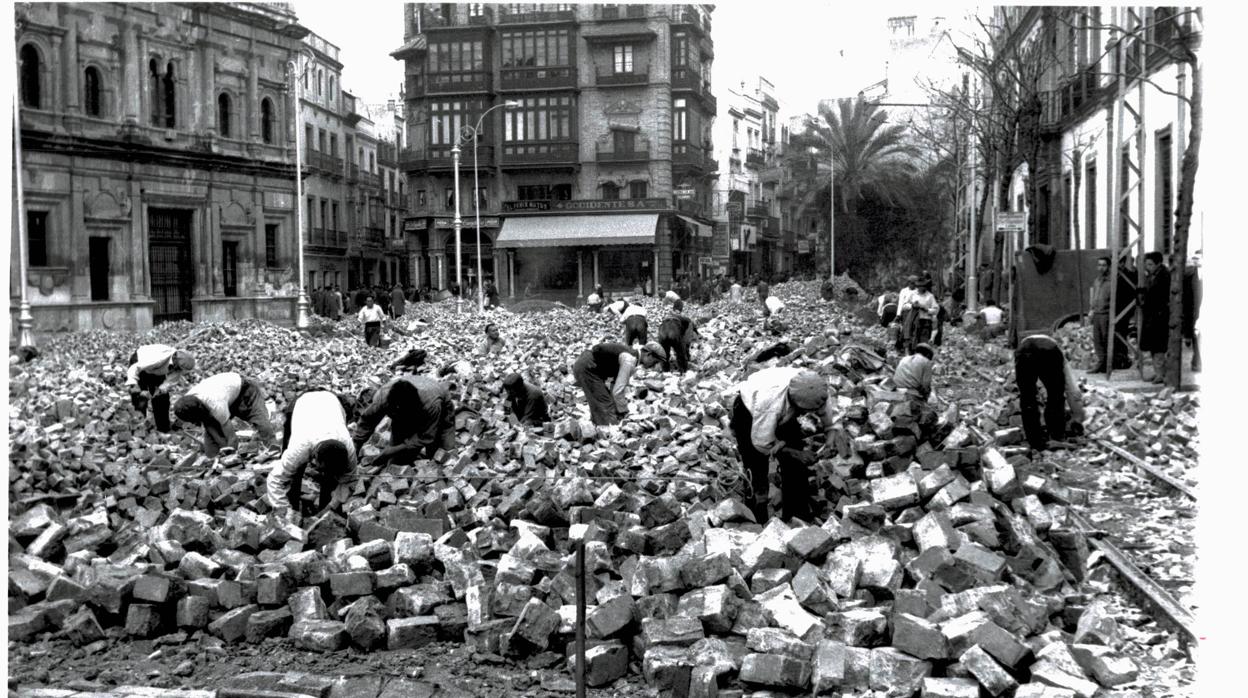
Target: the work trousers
(326, 483)
(1100, 338)
(603, 408)
(675, 343)
(372, 334)
(921, 331)
(150, 383)
(250, 408)
(635, 328)
(795, 485)
(1047, 366)
(888, 314)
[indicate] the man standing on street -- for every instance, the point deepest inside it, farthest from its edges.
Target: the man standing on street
(422, 419)
(150, 365)
(1100, 312)
(923, 308)
(398, 301)
(765, 423)
(213, 401)
(1193, 290)
(597, 365)
(371, 315)
(1155, 296)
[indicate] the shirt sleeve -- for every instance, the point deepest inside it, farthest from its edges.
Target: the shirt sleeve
(132, 375)
(277, 485)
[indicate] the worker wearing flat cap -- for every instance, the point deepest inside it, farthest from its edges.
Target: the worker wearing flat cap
(765, 424)
(528, 404)
(150, 365)
(653, 355)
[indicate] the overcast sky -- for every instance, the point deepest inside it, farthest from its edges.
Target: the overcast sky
(808, 49)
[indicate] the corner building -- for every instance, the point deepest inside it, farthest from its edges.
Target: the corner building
(603, 173)
(157, 163)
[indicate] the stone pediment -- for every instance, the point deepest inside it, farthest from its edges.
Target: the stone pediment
(235, 215)
(623, 107)
(107, 205)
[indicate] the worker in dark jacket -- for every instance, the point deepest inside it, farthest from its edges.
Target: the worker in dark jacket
(676, 333)
(422, 419)
(213, 401)
(605, 362)
(149, 366)
(1039, 358)
(411, 362)
(528, 403)
(1155, 298)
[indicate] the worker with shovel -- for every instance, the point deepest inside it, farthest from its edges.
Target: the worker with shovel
(213, 401)
(316, 442)
(765, 422)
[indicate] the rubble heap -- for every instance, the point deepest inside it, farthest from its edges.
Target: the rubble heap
(943, 568)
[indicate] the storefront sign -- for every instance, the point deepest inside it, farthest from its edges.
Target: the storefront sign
(414, 225)
(490, 222)
(684, 192)
(1011, 222)
(585, 205)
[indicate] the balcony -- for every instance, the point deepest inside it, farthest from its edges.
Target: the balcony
(323, 162)
(759, 209)
(1059, 106)
(621, 12)
(414, 86)
(639, 153)
(440, 157)
(690, 207)
(556, 154)
(353, 173)
(461, 81)
(543, 78)
(325, 238)
(398, 244)
(371, 236)
(543, 16)
(685, 79)
(368, 179)
(755, 158)
(484, 19)
(688, 155)
(690, 16)
(610, 78)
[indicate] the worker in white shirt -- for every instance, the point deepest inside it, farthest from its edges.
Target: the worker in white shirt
(765, 423)
(634, 318)
(150, 366)
(316, 442)
(904, 316)
(213, 401)
(991, 320)
(595, 300)
(371, 315)
(922, 307)
(734, 292)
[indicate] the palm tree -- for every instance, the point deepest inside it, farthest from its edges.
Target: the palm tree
(868, 153)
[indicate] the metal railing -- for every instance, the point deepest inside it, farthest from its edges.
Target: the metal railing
(541, 152)
(689, 154)
(537, 77)
(564, 15)
(755, 157)
(459, 81)
(639, 153)
(610, 78)
(607, 14)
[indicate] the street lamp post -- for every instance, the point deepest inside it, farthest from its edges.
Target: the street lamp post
(458, 224)
(302, 319)
(832, 214)
(25, 320)
(472, 132)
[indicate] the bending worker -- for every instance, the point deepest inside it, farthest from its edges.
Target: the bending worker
(314, 437)
(150, 365)
(765, 423)
(528, 404)
(1039, 358)
(597, 365)
(422, 419)
(634, 318)
(676, 333)
(213, 401)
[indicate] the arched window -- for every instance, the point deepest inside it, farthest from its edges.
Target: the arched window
(153, 89)
(91, 91)
(610, 191)
(30, 77)
(169, 86)
(320, 82)
(223, 115)
(266, 120)
(331, 87)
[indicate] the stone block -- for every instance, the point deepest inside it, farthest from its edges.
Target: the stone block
(895, 492)
(864, 627)
(960, 632)
(394, 577)
(777, 641)
(812, 591)
(82, 628)
(787, 613)
(1001, 644)
(307, 604)
(776, 670)
(810, 543)
(411, 633)
(319, 635)
(63, 588)
(949, 688)
(705, 570)
(828, 670)
(270, 623)
(715, 606)
(609, 618)
(982, 563)
(1048, 673)
(878, 558)
(142, 620)
(231, 626)
(351, 584)
(1107, 666)
(508, 600)
(364, 623)
(918, 637)
(192, 612)
(272, 589)
(994, 679)
(763, 580)
(1039, 690)
(897, 673)
(935, 531)
(1097, 625)
(413, 549)
(677, 630)
(536, 623)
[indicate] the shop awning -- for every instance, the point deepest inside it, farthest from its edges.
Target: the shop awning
(573, 231)
(701, 230)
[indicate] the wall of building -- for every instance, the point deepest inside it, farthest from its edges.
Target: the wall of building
(101, 175)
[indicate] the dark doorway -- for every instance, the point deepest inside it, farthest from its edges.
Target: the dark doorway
(169, 253)
(229, 267)
(97, 259)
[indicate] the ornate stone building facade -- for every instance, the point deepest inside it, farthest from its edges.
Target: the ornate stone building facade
(157, 163)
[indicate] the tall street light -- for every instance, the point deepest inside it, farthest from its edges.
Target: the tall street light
(25, 320)
(302, 319)
(466, 132)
